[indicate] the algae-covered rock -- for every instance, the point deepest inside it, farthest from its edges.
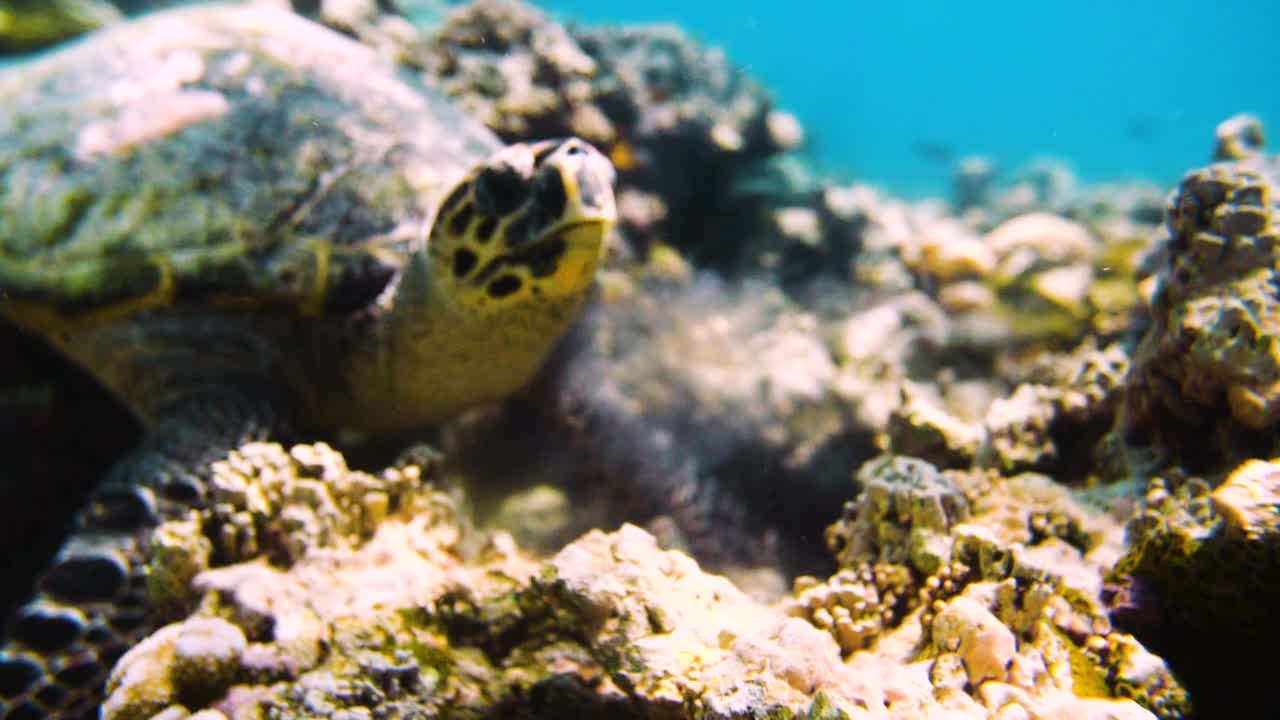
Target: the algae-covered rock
(293, 504)
(983, 643)
(1205, 383)
(920, 428)
(266, 502)
(189, 663)
(1056, 420)
(408, 628)
(425, 616)
(1045, 268)
(904, 514)
(1249, 503)
(857, 605)
(1037, 240)
(1006, 600)
(1005, 643)
(341, 594)
(686, 644)
(1239, 137)
(1200, 579)
(421, 615)
(179, 551)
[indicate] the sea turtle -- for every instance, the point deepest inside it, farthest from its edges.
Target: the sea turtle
(222, 213)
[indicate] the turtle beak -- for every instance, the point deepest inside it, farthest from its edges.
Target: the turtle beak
(584, 246)
(588, 179)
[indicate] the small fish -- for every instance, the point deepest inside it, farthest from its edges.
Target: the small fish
(622, 156)
(627, 156)
(936, 152)
(1143, 128)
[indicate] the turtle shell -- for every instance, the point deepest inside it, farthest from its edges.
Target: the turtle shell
(217, 155)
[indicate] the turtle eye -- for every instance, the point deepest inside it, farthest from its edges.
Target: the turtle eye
(461, 219)
(552, 196)
(500, 190)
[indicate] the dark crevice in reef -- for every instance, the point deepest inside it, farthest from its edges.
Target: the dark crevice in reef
(561, 698)
(1077, 442)
(1195, 650)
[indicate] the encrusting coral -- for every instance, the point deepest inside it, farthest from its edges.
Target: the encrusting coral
(985, 579)
(420, 615)
(1214, 342)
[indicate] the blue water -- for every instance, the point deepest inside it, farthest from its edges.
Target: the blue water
(1119, 89)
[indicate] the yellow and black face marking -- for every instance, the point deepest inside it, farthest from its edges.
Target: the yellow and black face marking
(529, 223)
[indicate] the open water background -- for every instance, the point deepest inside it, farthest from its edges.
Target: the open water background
(1119, 89)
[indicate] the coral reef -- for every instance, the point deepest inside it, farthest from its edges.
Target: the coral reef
(521, 74)
(1200, 580)
(1004, 285)
(1051, 186)
(425, 617)
(996, 581)
(906, 508)
(1053, 421)
(731, 394)
(1034, 277)
(1203, 389)
(1240, 137)
(268, 505)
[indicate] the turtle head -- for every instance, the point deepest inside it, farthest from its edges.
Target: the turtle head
(526, 226)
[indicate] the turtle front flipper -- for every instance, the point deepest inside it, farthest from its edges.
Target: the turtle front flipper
(93, 603)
